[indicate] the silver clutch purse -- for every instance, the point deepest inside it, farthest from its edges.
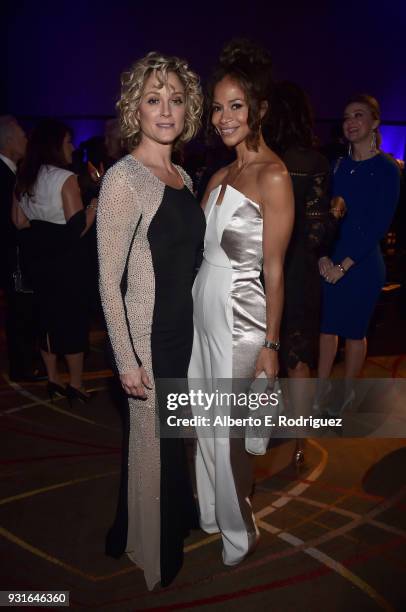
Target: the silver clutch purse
(257, 436)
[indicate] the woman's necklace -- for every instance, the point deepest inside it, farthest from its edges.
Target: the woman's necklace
(353, 170)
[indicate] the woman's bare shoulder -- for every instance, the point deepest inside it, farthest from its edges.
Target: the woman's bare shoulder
(272, 171)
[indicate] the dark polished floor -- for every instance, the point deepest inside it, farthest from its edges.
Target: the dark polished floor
(333, 532)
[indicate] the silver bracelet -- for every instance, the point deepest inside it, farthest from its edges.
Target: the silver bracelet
(92, 206)
(274, 346)
(341, 267)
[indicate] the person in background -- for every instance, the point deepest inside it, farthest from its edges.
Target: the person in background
(354, 273)
(47, 200)
(335, 147)
(290, 134)
(401, 239)
(113, 142)
(21, 334)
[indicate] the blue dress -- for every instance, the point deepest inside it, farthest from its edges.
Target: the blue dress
(370, 189)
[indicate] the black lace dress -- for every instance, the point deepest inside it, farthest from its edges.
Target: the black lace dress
(313, 232)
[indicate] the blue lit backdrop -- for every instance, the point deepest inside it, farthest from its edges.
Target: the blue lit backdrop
(65, 58)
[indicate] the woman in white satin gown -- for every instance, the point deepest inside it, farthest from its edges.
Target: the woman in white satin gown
(249, 213)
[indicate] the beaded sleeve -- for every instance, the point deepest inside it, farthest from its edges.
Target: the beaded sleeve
(117, 217)
(321, 224)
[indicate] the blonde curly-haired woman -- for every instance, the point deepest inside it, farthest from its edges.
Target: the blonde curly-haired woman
(150, 227)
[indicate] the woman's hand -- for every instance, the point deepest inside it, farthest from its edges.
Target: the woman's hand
(267, 362)
(135, 381)
(18, 216)
(96, 174)
(338, 207)
(325, 265)
(334, 275)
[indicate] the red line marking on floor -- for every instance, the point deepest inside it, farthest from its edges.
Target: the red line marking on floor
(217, 598)
(327, 487)
(291, 580)
(48, 457)
(276, 584)
(57, 438)
(396, 364)
(380, 365)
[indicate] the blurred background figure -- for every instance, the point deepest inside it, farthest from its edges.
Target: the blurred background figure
(291, 135)
(354, 274)
(48, 201)
(113, 142)
(335, 147)
(20, 328)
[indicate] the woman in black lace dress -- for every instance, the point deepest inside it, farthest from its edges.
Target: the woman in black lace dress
(291, 136)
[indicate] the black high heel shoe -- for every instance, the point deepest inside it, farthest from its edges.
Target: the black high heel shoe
(72, 393)
(55, 390)
(299, 457)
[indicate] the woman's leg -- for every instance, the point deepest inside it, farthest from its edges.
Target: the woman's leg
(301, 370)
(328, 350)
(75, 367)
(50, 360)
(355, 354)
(301, 397)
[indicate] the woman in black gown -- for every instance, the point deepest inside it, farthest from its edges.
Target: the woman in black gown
(48, 201)
(150, 225)
(291, 136)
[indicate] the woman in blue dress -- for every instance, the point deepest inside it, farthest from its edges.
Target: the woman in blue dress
(368, 181)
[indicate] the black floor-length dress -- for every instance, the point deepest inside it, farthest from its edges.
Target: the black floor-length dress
(175, 238)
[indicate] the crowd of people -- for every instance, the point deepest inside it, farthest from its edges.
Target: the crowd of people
(277, 257)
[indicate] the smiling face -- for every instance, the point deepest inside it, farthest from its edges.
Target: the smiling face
(161, 112)
(230, 112)
(358, 123)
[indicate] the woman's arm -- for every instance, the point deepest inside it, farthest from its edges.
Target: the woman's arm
(278, 215)
(117, 219)
(18, 216)
(322, 215)
(321, 221)
(72, 203)
(381, 209)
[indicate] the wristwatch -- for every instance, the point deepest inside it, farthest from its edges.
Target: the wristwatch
(274, 346)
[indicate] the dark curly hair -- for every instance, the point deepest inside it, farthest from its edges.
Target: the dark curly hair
(251, 67)
(291, 118)
(44, 147)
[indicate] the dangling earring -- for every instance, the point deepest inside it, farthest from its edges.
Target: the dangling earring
(373, 142)
(349, 150)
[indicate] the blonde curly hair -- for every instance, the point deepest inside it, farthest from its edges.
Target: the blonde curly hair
(132, 88)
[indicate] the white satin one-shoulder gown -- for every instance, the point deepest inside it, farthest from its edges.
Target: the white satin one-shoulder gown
(229, 330)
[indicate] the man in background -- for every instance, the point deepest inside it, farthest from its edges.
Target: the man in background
(113, 142)
(20, 322)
